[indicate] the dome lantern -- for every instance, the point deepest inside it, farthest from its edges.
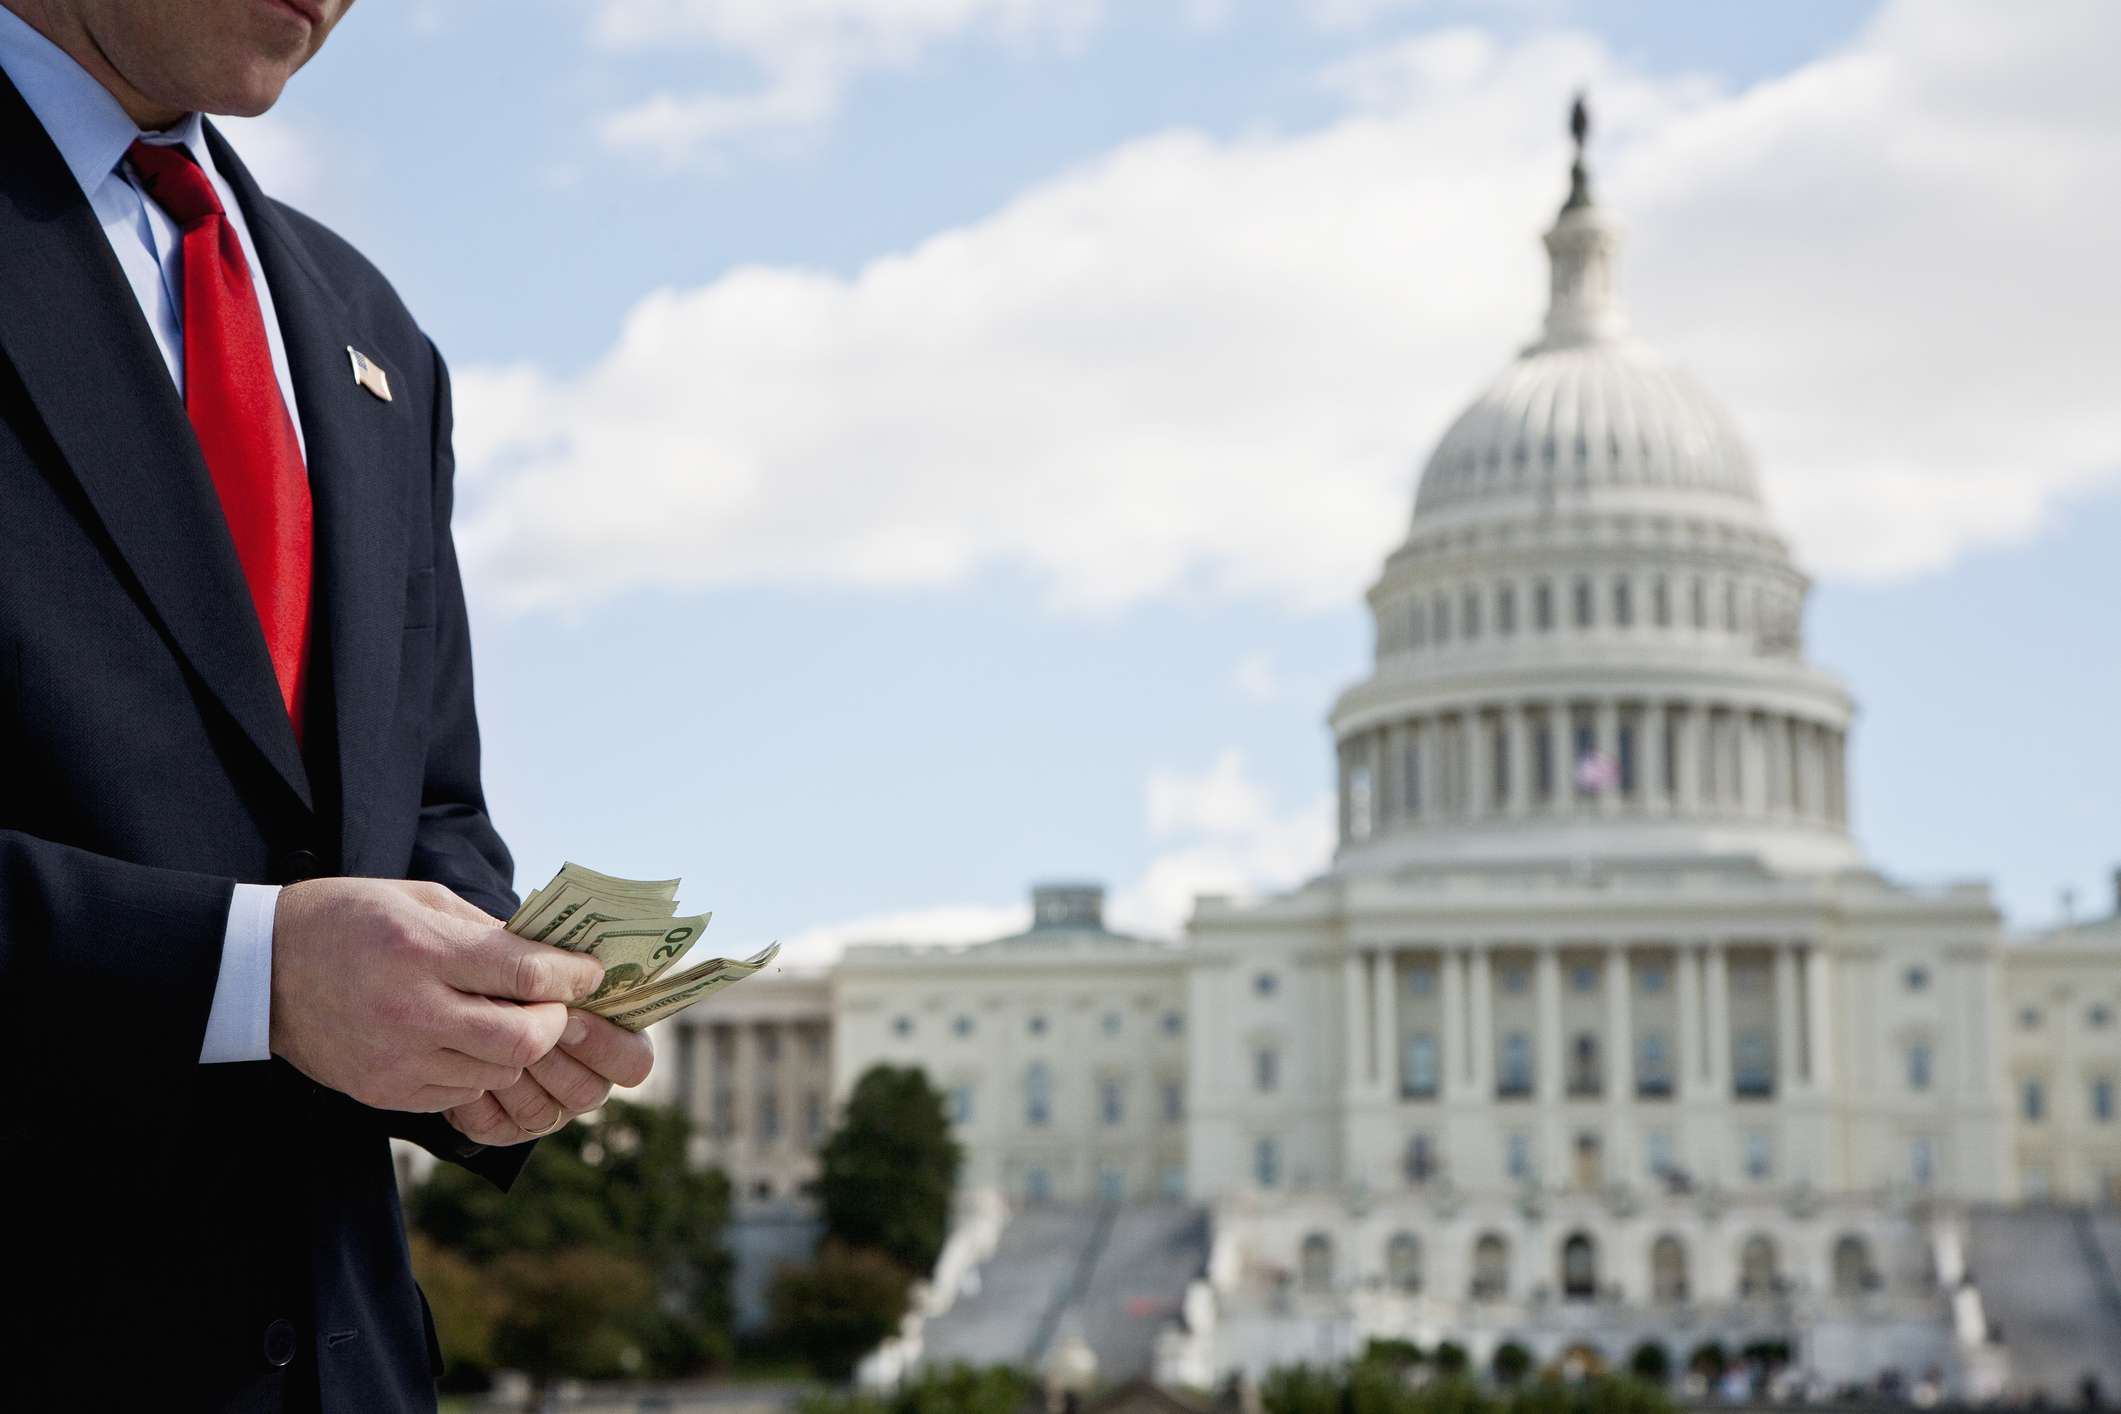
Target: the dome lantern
(1583, 305)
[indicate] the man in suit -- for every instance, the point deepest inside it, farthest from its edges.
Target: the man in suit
(248, 885)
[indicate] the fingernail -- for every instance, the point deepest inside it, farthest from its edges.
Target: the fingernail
(577, 1030)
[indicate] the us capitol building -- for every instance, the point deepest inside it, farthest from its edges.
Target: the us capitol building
(1598, 1029)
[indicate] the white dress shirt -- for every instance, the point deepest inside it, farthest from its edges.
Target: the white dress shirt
(92, 133)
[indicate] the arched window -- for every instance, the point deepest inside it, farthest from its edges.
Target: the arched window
(1403, 1262)
(1668, 1286)
(1579, 1267)
(1316, 1263)
(1758, 1270)
(1491, 1267)
(1853, 1274)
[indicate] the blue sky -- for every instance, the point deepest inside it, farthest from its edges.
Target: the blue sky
(914, 447)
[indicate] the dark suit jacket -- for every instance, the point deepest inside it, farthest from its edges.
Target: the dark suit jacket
(172, 1229)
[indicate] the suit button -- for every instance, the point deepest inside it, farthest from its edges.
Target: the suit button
(295, 865)
(280, 1344)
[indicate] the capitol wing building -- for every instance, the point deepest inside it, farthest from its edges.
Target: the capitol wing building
(1598, 1030)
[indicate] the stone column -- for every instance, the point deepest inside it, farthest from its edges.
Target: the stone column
(1752, 766)
(1716, 1003)
(1520, 734)
(1480, 783)
(1451, 1072)
(1548, 1045)
(1819, 1016)
(1622, 1158)
(1355, 1025)
(1656, 792)
(1561, 728)
(1480, 1022)
(1607, 725)
(1687, 1048)
(1788, 1035)
(1431, 777)
(1619, 1075)
(1384, 1019)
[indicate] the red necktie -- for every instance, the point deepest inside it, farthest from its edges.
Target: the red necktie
(233, 399)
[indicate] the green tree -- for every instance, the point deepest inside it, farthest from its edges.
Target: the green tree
(889, 1170)
(1512, 1362)
(466, 1305)
(1451, 1358)
(620, 1188)
(839, 1306)
(961, 1389)
(1651, 1362)
(578, 1312)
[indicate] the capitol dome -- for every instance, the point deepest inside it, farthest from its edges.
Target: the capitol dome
(1590, 643)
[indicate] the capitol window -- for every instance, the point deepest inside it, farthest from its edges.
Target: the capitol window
(1111, 1023)
(961, 1027)
(1111, 1183)
(1657, 1154)
(1421, 981)
(1038, 1095)
(1759, 1166)
(902, 1026)
(1515, 1079)
(1360, 797)
(1652, 978)
(1583, 603)
(1517, 1155)
(1918, 1066)
(2032, 1100)
(1542, 606)
(1653, 1076)
(1515, 978)
(1661, 601)
(1440, 619)
(1505, 609)
(961, 1103)
(1265, 984)
(1110, 1101)
(1623, 603)
(1921, 1160)
(1700, 596)
(1038, 1025)
(1469, 615)
(1583, 977)
(1174, 1101)
(1174, 1023)
(1266, 1163)
(2102, 1098)
(2099, 1017)
(1420, 1082)
(1917, 979)
(1266, 1069)
(1730, 605)
(2029, 1019)
(1754, 1071)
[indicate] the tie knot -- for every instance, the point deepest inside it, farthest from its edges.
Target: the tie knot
(174, 180)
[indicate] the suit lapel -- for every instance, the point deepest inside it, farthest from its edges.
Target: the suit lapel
(360, 535)
(70, 326)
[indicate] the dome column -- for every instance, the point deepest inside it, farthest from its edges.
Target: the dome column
(1606, 722)
(1520, 748)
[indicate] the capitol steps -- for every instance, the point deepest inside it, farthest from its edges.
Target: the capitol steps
(2050, 1282)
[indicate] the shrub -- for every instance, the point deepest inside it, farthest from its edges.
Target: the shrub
(1512, 1362)
(835, 1309)
(1651, 1362)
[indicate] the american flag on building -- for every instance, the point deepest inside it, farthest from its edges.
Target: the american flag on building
(1597, 772)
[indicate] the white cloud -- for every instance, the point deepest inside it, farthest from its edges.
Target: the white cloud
(1199, 367)
(821, 946)
(1217, 832)
(804, 54)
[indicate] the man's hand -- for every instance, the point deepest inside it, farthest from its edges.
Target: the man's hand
(406, 997)
(575, 1078)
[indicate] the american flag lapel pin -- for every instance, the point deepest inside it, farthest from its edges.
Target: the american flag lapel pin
(368, 373)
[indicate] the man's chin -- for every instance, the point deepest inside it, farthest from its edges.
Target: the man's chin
(248, 99)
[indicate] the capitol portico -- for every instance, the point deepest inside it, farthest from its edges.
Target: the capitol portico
(1599, 1029)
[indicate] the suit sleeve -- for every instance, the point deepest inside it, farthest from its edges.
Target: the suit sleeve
(134, 950)
(456, 844)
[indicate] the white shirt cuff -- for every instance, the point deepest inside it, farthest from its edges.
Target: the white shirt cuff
(239, 1024)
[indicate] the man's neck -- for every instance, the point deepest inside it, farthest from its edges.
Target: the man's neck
(57, 22)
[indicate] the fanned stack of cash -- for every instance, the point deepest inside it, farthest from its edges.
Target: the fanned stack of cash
(632, 927)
